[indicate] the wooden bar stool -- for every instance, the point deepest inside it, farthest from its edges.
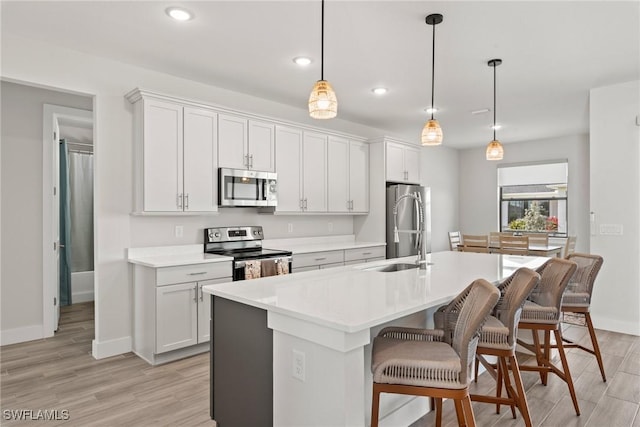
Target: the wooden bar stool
(475, 243)
(541, 312)
(434, 363)
(577, 299)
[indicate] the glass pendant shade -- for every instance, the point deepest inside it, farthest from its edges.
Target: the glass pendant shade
(431, 133)
(495, 150)
(323, 103)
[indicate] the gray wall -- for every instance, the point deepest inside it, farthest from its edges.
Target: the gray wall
(21, 200)
(479, 207)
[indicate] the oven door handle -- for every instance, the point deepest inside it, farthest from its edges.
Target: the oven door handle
(286, 258)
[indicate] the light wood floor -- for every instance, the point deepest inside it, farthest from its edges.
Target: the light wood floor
(60, 373)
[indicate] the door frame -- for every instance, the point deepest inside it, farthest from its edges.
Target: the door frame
(52, 114)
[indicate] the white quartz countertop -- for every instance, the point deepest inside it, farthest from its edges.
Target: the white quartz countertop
(354, 298)
(179, 259)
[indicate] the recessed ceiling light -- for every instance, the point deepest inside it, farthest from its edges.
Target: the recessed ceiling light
(496, 126)
(179, 14)
(480, 111)
(303, 61)
(379, 90)
(430, 110)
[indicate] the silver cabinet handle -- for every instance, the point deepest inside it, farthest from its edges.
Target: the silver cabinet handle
(320, 259)
(195, 293)
(246, 160)
(366, 253)
(179, 200)
(251, 161)
(305, 203)
(186, 201)
(201, 294)
(348, 204)
(198, 273)
(300, 204)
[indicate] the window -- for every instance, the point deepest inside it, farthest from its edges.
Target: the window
(533, 198)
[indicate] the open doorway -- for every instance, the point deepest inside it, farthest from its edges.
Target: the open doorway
(68, 274)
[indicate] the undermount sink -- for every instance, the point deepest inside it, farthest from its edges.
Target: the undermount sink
(393, 267)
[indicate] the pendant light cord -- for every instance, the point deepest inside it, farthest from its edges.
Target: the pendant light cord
(322, 45)
(433, 67)
(494, 101)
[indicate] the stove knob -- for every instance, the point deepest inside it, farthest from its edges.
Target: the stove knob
(256, 232)
(216, 234)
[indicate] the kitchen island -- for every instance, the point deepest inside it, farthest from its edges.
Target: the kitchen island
(296, 350)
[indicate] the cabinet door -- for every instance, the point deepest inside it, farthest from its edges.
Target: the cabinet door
(338, 175)
(176, 316)
(359, 176)
(395, 162)
(162, 156)
(412, 164)
(314, 172)
(288, 167)
(200, 170)
(261, 146)
(232, 142)
(204, 309)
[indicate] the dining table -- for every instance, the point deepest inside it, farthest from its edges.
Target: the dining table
(550, 250)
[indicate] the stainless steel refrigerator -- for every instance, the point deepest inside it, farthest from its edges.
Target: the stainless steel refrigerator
(407, 219)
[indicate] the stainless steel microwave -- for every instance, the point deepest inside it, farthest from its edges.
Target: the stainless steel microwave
(241, 187)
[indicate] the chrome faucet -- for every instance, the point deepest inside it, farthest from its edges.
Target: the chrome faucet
(420, 230)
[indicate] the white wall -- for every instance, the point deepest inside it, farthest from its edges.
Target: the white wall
(439, 171)
(21, 194)
(115, 230)
(479, 205)
(615, 199)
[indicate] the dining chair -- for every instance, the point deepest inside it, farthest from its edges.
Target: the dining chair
(498, 339)
(569, 246)
(537, 239)
(514, 245)
(541, 313)
(475, 243)
(577, 299)
(433, 363)
(455, 239)
(494, 239)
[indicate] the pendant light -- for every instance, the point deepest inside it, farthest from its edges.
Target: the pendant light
(494, 149)
(432, 133)
(323, 103)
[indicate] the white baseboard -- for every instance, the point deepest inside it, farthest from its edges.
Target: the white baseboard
(103, 349)
(407, 414)
(614, 325)
(78, 297)
(17, 335)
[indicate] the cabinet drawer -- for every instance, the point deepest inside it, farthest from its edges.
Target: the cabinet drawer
(193, 273)
(317, 258)
(364, 253)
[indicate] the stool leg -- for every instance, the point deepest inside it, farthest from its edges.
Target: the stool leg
(507, 384)
(547, 353)
(594, 343)
(565, 369)
(538, 349)
(375, 402)
(466, 404)
(522, 397)
(459, 412)
(498, 385)
(438, 412)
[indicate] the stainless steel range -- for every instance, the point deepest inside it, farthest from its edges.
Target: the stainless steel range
(244, 244)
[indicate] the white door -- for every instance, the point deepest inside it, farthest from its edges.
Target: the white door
(288, 167)
(359, 176)
(338, 175)
(204, 309)
(163, 186)
(200, 170)
(395, 162)
(412, 164)
(314, 172)
(232, 142)
(176, 316)
(261, 146)
(56, 219)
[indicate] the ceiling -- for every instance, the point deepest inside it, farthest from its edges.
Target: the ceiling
(552, 52)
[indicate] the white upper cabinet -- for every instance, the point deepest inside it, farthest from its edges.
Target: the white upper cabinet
(402, 163)
(200, 171)
(359, 176)
(245, 144)
(348, 176)
(314, 172)
(174, 157)
(289, 169)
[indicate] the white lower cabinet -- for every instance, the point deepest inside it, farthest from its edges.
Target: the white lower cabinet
(328, 259)
(172, 319)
